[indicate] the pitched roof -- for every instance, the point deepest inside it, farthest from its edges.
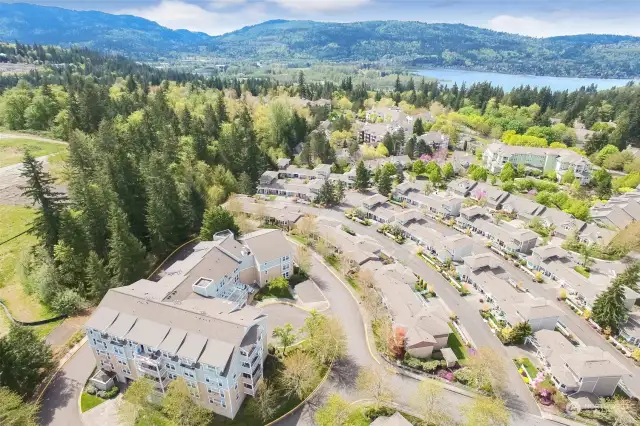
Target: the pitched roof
(395, 420)
(267, 244)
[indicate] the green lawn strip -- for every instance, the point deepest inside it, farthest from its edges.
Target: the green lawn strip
(528, 365)
(580, 269)
(12, 150)
(455, 342)
(300, 239)
(87, 402)
(152, 418)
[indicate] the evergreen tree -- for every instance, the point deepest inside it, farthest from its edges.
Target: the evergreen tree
(609, 309)
(418, 128)
(602, 181)
(410, 147)
(165, 218)
(25, 361)
(630, 276)
(362, 177)
(127, 256)
(326, 194)
(15, 412)
(302, 88)
(215, 220)
(398, 85)
(211, 123)
(39, 189)
(97, 276)
(339, 192)
(385, 183)
(389, 143)
(421, 149)
(246, 185)
(221, 109)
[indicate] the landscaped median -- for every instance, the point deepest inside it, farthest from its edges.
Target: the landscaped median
(462, 288)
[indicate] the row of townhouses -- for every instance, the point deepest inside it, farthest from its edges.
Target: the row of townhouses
(194, 323)
(496, 155)
(619, 211)
(582, 372)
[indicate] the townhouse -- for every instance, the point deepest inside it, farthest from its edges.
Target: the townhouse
(435, 140)
(386, 114)
(486, 273)
(631, 330)
(395, 420)
(618, 212)
(564, 225)
(496, 155)
(554, 262)
(583, 373)
(437, 205)
(356, 248)
(462, 187)
(400, 161)
(444, 248)
(506, 237)
(425, 327)
(523, 207)
(379, 209)
(492, 197)
(194, 323)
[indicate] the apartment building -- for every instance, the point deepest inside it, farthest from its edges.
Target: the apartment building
(373, 133)
(386, 114)
(194, 323)
(435, 140)
(543, 159)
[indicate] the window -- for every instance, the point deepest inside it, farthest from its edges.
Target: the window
(246, 364)
(286, 274)
(188, 373)
(171, 367)
(208, 379)
(237, 395)
(212, 401)
(122, 362)
(126, 371)
(118, 350)
(223, 404)
(236, 386)
(248, 386)
(211, 390)
(173, 376)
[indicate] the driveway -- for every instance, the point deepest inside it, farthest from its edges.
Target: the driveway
(60, 400)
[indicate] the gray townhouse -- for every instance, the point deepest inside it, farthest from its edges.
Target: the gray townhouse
(435, 140)
(400, 161)
(425, 328)
(594, 234)
(585, 374)
(618, 212)
(462, 187)
(523, 207)
(355, 247)
(444, 248)
(469, 216)
(379, 209)
(564, 225)
(506, 237)
(631, 330)
(437, 205)
(493, 197)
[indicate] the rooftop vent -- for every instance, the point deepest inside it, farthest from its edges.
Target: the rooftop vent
(203, 282)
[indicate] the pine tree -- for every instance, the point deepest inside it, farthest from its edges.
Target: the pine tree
(385, 182)
(398, 85)
(609, 309)
(418, 127)
(97, 277)
(410, 147)
(211, 124)
(630, 276)
(246, 185)
(164, 216)
(302, 88)
(221, 109)
(39, 189)
(127, 257)
(389, 142)
(339, 192)
(362, 177)
(326, 194)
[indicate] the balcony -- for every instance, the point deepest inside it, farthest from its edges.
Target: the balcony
(154, 358)
(155, 370)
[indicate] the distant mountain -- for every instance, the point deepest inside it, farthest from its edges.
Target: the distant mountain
(410, 43)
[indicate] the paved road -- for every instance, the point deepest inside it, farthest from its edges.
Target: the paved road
(342, 379)
(518, 395)
(60, 401)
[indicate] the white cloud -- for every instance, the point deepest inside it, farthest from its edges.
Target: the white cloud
(565, 24)
(311, 6)
(176, 14)
(222, 4)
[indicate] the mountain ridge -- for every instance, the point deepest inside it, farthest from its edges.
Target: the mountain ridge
(412, 43)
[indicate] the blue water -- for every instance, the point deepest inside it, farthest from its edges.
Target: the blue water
(509, 81)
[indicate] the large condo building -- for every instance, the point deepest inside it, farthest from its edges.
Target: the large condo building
(194, 323)
(544, 159)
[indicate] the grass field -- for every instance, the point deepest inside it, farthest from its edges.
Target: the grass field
(629, 238)
(87, 402)
(12, 150)
(14, 220)
(456, 344)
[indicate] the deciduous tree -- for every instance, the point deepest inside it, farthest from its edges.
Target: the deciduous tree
(429, 402)
(375, 384)
(300, 374)
(15, 412)
(180, 407)
(286, 336)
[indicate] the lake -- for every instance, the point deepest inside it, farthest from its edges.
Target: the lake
(509, 81)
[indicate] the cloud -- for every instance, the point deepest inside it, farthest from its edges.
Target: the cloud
(176, 14)
(311, 6)
(565, 24)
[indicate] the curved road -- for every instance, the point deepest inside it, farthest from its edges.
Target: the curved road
(342, 378)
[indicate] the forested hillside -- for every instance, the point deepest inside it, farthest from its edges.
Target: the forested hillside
(412, 43)
(150, 160)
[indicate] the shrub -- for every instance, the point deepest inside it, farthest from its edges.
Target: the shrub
(91, 390)
(67, 302)
(430, 366)
(101, 394)
(111, 393)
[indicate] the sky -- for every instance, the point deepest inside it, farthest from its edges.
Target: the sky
(536, 18)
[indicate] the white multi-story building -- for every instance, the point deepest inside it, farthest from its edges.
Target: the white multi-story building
(544, 159)
(194, 323)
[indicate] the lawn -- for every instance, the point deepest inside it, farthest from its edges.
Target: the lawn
(268, 292)
(580, 269)
(57, 164)
(528, 365)
(455, 342)
(87, 402)
(14, 220)
(12, 150)
(152, 418)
